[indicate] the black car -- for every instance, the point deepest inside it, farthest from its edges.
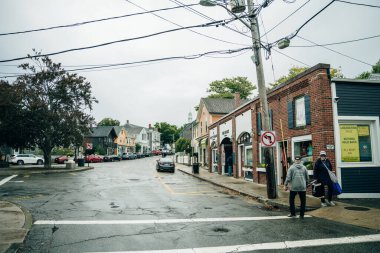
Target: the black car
(165, 164)
(111, 158)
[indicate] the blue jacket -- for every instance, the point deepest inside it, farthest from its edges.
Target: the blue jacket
(320, 172)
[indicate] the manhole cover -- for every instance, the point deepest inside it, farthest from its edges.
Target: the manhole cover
(134, 179)
(356, 208)
(220, 230)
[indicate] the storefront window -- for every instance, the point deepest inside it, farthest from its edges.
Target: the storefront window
(305, 150)
(355, 141)
(248, 157)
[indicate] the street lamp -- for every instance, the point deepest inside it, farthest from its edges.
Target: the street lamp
(238, 6)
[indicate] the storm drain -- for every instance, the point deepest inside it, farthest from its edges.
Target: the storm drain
(221, 230)
(357, 208)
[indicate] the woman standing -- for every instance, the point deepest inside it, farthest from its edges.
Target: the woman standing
(321, 174)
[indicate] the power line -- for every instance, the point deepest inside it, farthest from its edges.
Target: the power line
(367, 5)
(339, 43)
(188, 57)
(294, 59)
(92, 21)
(291, 14)
(352, 58)
(171, 22)
(220, 22)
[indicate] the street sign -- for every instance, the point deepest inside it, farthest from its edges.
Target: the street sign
(268, 139)
(88, 145)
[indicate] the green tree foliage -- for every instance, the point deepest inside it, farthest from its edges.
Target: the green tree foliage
(109, 122)
(49, 105)
(295, 70)
(227, 87)
(169, 133)
(183, 145)
(138, 147)
(366, 74)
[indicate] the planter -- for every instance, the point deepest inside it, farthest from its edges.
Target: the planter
(259, 169)
(248, 175)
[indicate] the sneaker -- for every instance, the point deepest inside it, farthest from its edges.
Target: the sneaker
(301, 217)
(323, 205)
(292, 216)
(332, 203)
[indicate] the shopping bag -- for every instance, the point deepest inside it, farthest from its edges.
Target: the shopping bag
(333, 178)
(317, 190)
(337, 189)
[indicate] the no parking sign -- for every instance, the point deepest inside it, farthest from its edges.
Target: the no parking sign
(268, 139)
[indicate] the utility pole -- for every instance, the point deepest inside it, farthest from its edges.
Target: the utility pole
(257, 59)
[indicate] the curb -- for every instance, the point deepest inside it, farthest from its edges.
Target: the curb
(13, 248)
(258, 198)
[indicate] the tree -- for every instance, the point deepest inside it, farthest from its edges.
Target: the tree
(53, 103)
(295, 70)
(169, 133)
(109, 122)
(183, 144)
(138, 147)
(366, 74)
(227, 87)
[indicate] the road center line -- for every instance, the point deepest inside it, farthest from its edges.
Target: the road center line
(266, 246)
(6, 179)
(167, 221)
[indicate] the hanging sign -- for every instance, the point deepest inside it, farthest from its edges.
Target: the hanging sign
(268, 139)
(88, 145)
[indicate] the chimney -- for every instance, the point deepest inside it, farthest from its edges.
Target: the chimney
(237, 99)
(127, 121)
(150, 126)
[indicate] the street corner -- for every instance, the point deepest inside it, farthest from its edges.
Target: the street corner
(15, 223)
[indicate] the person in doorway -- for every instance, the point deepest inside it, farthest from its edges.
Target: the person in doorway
(322, 176)
(298, 178)
(229, 166)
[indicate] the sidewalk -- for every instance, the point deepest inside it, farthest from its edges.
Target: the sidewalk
(15, 221)
(343, 212)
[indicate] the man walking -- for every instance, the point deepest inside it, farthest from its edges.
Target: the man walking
(298, 178)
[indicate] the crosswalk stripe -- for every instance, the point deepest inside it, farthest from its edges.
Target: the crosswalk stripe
(266, 246)
(7, 179)
(166, 221)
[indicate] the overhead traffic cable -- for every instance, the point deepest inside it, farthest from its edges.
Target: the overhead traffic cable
(367, 5)
(91, 21)
(188, 57)
(338, 43)
(345, 55)
(215, 23)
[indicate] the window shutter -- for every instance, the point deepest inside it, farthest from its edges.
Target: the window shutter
(271, 119)
(307, 110)
(258, 121)
(290, 115)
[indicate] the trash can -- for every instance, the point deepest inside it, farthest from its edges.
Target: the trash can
(195, 168)
(80, 162)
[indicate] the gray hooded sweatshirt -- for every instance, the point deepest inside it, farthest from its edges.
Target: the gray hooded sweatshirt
(297, 176)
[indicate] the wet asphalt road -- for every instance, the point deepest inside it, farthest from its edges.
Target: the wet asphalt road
(133, 190)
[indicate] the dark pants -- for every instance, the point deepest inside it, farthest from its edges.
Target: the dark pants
(302, 196)
(329, 192)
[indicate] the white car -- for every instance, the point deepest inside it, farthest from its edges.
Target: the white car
(21, 159)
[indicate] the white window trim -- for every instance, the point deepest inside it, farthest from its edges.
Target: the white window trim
(299, 139)
(245, 154)
(373, 122)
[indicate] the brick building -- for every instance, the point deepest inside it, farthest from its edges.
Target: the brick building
(303, 115)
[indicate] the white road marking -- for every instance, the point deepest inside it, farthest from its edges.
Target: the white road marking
(6, 179)
(266, 246)
(130, 222)
(16, 181)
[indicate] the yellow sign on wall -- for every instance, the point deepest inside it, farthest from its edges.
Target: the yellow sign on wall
(349, 140)
(363, 130)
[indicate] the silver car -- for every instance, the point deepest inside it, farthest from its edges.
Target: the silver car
(165, 164)
(21, 159)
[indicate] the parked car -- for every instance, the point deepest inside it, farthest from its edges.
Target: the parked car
(165, 164)
(147, 154)
(21, 159)
(139, 155)
(156, 152)
(111, 158)
(93, 159)
(128, 156)
(61, 159)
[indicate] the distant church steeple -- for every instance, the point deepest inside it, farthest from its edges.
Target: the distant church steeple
(189, 117)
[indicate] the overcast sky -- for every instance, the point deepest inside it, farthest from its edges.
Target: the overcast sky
(169, 90)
